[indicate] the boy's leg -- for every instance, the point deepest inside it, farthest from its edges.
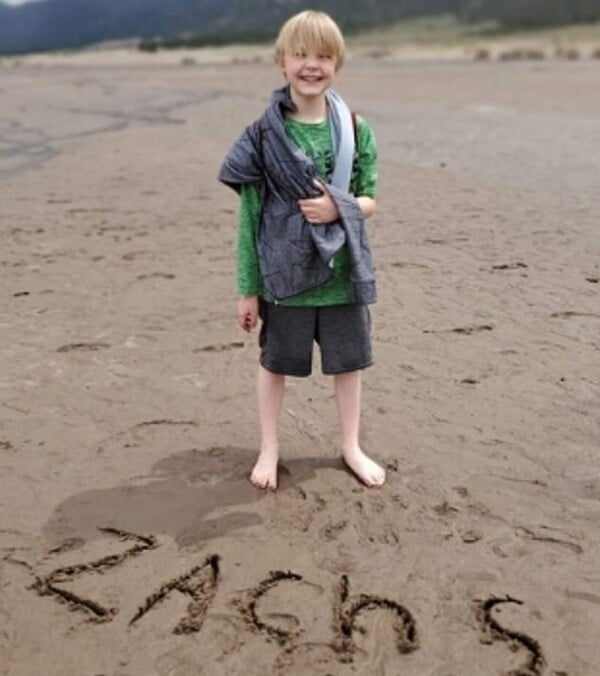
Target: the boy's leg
(347, 395)
(286, 341)
(270, 388)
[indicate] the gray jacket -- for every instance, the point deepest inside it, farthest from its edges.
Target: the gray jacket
(294, 255)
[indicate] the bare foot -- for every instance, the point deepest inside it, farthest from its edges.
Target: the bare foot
(264, 474)
(365, 469)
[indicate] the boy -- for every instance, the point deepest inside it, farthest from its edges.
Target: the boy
(306, 174)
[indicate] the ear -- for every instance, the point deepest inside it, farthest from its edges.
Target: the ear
(281, 64)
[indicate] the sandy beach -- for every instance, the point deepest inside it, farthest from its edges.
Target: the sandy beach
(132, 544)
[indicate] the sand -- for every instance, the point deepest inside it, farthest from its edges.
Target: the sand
(131, 543)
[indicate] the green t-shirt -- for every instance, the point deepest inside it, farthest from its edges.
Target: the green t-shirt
(315, 141)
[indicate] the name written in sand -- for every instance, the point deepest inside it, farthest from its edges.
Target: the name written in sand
(201, 583)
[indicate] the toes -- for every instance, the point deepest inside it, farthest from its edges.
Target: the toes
(379, 477)
(377, 480)
(256, 481)
(262, 482)
(367, 471)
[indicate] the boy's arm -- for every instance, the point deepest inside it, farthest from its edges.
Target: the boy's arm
(365, 180)
(322, 210)
(248, 271)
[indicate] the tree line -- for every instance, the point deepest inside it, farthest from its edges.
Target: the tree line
(67, 24)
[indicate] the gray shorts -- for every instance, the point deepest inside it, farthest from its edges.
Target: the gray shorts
(343, 333)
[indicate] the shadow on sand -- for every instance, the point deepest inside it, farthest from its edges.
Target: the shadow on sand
(177, 498)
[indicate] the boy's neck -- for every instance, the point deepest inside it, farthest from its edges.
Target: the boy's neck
(309, 109)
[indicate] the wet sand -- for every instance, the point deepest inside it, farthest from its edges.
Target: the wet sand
(127, 392)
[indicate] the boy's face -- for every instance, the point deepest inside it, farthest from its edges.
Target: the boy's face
(309, 72)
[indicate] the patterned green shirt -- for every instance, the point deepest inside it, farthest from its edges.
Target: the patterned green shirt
(315, 141)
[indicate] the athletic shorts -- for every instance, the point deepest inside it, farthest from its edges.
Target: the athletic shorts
(343, 333)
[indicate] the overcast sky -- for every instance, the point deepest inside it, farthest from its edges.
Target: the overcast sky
(16, 2)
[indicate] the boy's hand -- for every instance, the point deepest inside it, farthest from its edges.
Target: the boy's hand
(319, 210)
(247, 312)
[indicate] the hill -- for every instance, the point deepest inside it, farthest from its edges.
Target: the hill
(70, 24)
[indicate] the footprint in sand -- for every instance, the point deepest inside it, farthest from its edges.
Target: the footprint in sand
(332, 530)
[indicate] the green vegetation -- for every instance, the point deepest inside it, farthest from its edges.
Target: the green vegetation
(449, 31)
(71, 24)
(193, 41)
(512, 14)
(384, 24)
(444, 31)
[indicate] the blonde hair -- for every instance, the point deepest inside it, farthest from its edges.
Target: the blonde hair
(311, 30)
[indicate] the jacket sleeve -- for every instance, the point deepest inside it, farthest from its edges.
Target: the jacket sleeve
(243, 163)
